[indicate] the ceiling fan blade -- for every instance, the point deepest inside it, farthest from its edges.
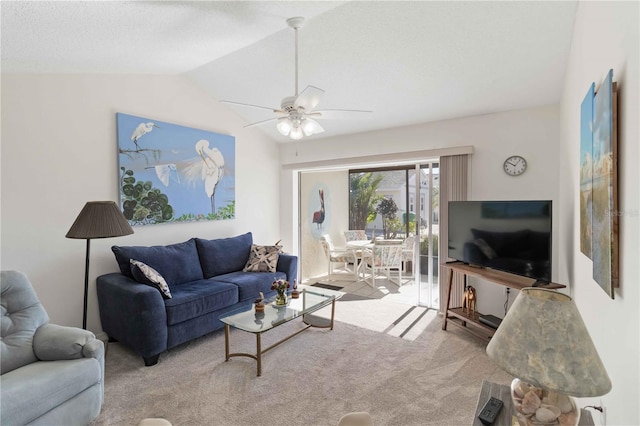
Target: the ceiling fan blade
(249, 105)
(309, 98)
(257, 123)
(342, 114)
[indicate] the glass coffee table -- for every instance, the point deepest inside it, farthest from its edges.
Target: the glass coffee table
(247, 319)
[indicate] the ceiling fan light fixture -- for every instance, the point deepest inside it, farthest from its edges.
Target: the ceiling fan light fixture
(296, 117)
(284, 126)
(310, 127)
(296, 133)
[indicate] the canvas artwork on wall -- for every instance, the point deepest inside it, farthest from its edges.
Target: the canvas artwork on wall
(586, 170)
(170, 173)
(599, 189)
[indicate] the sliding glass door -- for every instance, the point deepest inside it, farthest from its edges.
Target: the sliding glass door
(429, 211)
(402, 202)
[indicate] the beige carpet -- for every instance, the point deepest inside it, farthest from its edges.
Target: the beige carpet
(431, 378)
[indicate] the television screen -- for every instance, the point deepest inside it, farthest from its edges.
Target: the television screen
(511, 236)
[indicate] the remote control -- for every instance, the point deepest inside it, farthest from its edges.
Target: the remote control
(490, 411)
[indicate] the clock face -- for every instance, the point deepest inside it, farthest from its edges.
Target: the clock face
(515, 165)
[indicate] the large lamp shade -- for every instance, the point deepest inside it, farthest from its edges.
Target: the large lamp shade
(97, 219)
(544, 343)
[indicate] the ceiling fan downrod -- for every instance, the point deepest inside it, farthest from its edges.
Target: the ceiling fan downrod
(296, 23)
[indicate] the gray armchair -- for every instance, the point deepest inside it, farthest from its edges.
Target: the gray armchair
(50, 374)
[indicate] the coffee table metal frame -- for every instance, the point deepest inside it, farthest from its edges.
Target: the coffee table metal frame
(296, 308)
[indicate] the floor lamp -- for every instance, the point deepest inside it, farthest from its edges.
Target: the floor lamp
(98, 219)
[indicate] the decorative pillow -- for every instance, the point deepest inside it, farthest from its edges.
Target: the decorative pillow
(224, 255)
(485, 248)
(262, 258)
(145, 274)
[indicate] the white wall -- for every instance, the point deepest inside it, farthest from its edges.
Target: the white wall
(59, 151)
(335, 185)
(532, 133)
(606, 36)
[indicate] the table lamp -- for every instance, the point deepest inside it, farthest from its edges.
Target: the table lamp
(98, 219)
(545, 345)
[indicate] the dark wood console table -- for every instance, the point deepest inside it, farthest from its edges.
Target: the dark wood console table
(458, 317)
(507, 415)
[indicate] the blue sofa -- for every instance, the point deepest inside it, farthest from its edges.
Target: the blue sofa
(205, 279)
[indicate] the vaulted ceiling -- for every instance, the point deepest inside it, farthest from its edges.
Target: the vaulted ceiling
(408, 62)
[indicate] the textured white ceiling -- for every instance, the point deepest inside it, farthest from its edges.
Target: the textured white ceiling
(409, 62)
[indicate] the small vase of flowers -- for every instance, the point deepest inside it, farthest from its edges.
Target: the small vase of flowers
(280, 286)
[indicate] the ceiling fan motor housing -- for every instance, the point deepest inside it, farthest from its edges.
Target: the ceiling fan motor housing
(288, 104)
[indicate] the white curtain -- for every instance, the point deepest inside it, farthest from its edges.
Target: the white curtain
(454, 176)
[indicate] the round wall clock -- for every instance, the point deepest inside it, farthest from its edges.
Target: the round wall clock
(515, 165)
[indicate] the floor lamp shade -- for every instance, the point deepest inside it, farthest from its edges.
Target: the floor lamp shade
(97, 219)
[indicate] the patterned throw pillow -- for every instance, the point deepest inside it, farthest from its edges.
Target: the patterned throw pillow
(262, 258)
(145, 274)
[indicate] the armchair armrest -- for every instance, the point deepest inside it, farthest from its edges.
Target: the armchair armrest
(53, 342)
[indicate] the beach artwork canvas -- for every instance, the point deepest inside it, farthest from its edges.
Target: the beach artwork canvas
(169, 173)
(586, 170)
(604, 246)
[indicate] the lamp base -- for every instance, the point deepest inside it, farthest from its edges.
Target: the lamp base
(536, 406)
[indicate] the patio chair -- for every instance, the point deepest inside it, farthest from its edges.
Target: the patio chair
(408, 246)
(355, 234)
(338, 255)
(383, 257)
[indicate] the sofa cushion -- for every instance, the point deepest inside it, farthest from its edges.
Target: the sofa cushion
(177, 263)
(262, 258)
(224, 255)
(193, 299)
(250, 284)
(145, 274)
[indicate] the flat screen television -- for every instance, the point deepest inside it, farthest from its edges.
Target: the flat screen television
(511, 236)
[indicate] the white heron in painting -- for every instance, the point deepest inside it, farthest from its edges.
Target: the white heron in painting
(166, 172)
(140, 131)
(209, 167)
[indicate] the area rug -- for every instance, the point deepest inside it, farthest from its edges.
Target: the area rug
(327, 286)
(311, 379)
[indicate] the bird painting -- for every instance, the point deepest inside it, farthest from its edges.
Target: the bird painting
(140, 131)
(318, 216)
(210, 166)
(165, 172)
(189, 169)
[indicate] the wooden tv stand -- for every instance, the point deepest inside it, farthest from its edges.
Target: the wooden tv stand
(459, 317)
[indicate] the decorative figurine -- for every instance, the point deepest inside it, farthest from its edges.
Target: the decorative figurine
(259, 303)
(295, 293)
(469, 301)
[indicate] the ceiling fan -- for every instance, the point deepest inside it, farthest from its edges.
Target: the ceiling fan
(296, 116)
